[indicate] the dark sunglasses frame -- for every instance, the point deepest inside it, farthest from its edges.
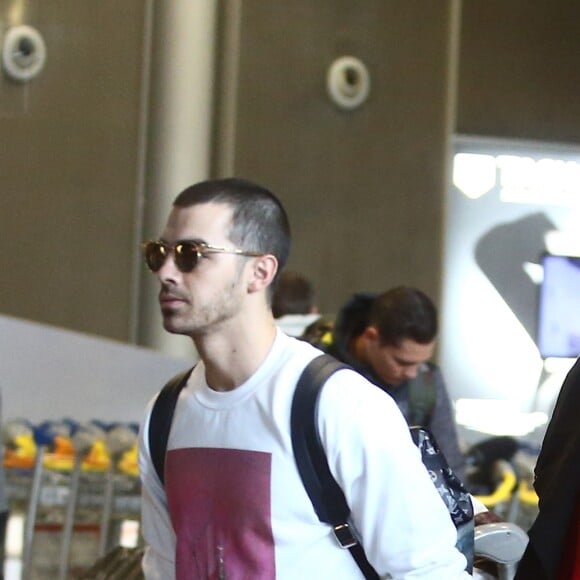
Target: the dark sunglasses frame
(186, 253)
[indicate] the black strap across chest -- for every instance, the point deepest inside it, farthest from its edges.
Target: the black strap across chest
(161, 419)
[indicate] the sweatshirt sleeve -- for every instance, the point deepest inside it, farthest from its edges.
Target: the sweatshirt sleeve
(156, 528)
(405, 527)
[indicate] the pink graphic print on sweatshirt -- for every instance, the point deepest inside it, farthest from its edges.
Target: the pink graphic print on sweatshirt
(219, 501)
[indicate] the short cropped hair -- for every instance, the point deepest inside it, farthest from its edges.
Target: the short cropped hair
(293, 294)
(259, 221)
(404, 313)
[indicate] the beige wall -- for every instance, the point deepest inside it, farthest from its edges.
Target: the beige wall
(365, 189)
(520, 70)
(69, 167)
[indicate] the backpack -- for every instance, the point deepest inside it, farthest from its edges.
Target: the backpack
(324, 492)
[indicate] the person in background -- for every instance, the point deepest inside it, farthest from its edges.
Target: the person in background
(232, 504)
(553, 551)
(390, 338)
(293, 303)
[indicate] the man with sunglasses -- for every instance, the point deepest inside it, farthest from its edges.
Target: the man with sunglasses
(232, 504)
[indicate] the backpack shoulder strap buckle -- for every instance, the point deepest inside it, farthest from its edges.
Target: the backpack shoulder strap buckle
(345, 536)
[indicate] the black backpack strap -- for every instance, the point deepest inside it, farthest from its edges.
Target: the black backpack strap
(161, 418)
(325, 494)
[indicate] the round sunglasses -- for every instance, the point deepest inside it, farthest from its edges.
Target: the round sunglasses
(186, 253)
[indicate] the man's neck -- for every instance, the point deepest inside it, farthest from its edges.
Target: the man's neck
(232, 357)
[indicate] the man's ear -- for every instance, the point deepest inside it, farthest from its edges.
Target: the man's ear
(263, 271)
(371, 333)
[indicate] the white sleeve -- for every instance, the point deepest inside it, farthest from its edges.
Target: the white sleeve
(156, 528)
(405, 527)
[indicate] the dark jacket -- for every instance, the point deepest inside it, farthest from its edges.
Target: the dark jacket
(557, 483)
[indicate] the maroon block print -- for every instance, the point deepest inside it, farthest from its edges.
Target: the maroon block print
(219, 502)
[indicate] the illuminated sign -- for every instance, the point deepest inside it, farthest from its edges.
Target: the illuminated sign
(521, 179)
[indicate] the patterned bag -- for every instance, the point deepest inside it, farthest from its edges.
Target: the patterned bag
(451, 490)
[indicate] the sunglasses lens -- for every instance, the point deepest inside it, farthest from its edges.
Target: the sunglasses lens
(155, 255)
(186, 256)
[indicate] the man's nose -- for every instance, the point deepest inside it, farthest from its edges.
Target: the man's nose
(168, 270)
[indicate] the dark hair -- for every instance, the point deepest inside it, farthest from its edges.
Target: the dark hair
(293, 294)
(259, 221)
(404, 313)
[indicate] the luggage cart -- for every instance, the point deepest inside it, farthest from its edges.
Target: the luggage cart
(72, 517)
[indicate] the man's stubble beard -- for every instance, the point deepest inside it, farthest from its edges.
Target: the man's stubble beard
(204, 319)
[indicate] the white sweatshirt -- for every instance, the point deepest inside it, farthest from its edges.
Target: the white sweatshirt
(236, 508)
